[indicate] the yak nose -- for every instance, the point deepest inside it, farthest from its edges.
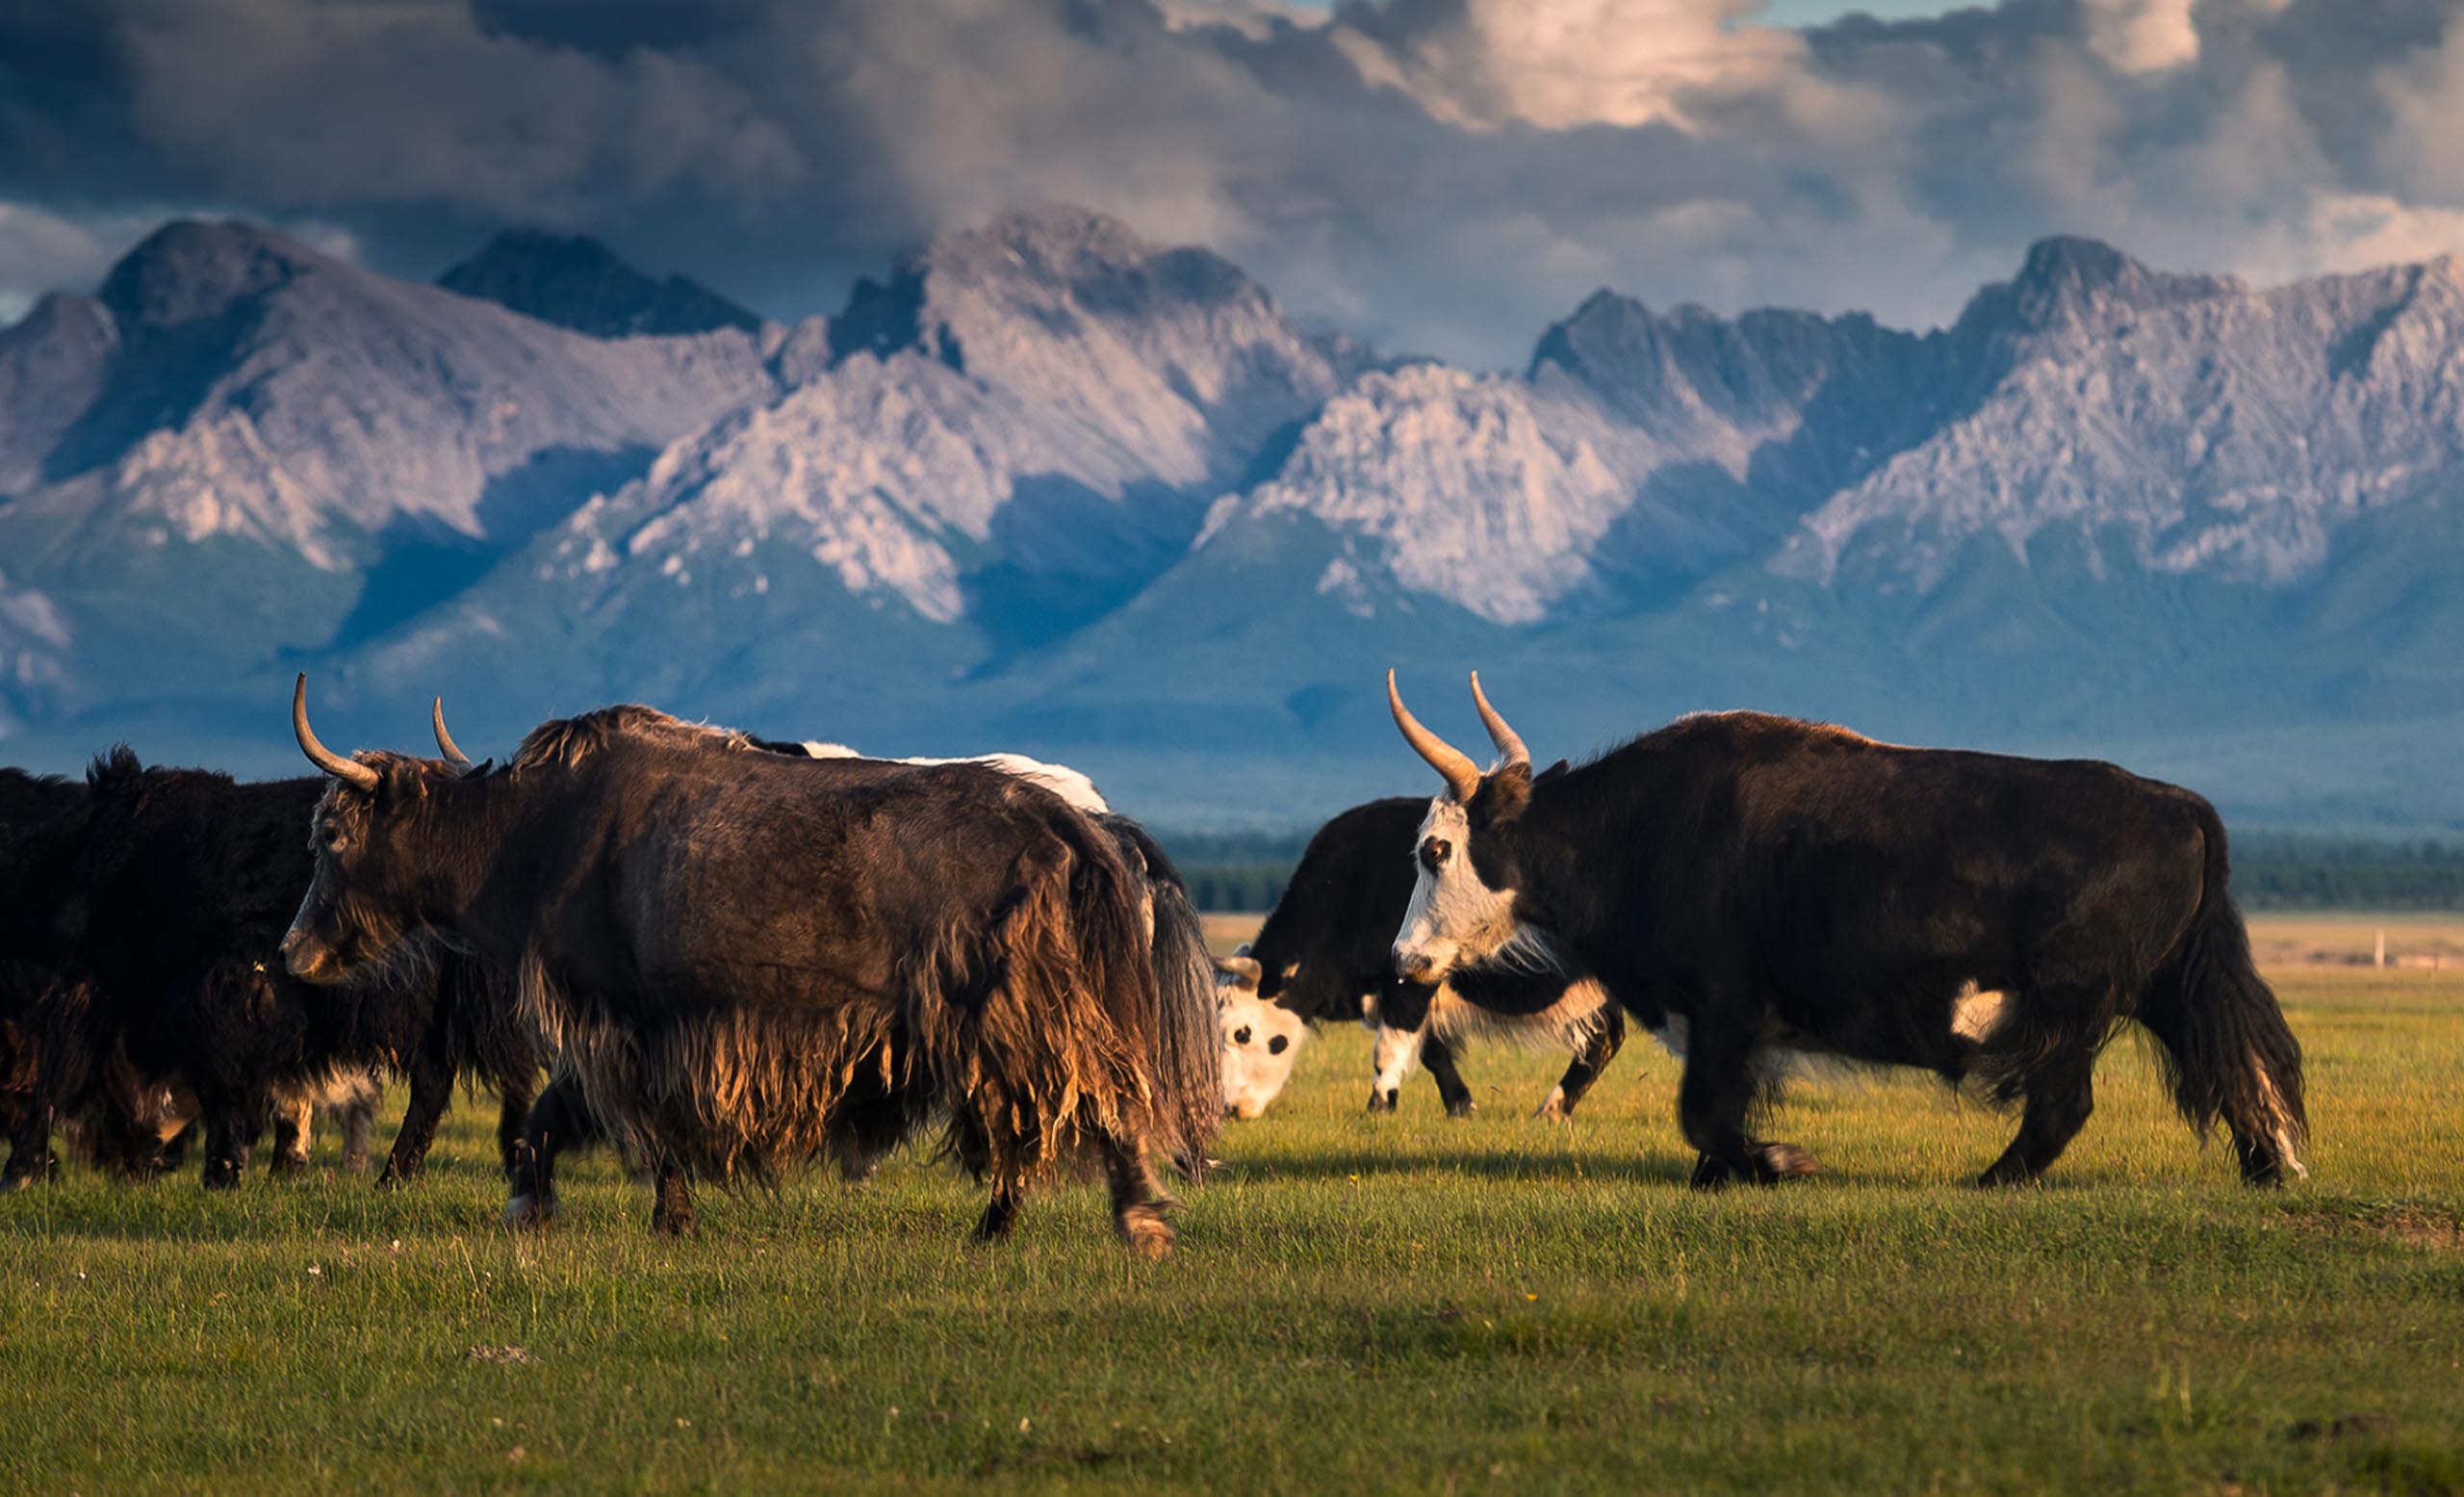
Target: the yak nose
(1414, 966)
(300, 955)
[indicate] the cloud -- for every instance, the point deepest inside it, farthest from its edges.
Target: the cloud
(1443, 176)
(2142, 36)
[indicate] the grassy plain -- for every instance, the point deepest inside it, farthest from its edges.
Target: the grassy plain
(1360, 1305)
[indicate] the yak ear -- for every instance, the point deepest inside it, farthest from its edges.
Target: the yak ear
(1505, 794)
(1554, 770)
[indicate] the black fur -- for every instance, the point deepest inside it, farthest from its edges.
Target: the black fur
(1336, 921)
(1761, 876)
(161, 923)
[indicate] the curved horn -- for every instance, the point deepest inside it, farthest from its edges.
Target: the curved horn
(445, 743)
(349, 770)
(1462, 776)
(1508, 741)
(1246, 969)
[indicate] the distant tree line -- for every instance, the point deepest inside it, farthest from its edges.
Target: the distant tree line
(1241, 871)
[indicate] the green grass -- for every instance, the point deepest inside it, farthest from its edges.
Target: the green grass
(1359, 1305)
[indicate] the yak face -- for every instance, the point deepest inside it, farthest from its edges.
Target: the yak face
(1465, 877)
(1261, 1040)
(363, 900)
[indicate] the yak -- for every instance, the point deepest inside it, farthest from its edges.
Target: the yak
(160, 920)
(1323, 954)
(1765, 885)
(748, 961)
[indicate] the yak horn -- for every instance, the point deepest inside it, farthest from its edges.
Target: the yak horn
(350, 771)
(1244, 967)
(1508, 741)
(445, 743)
(1462, 776)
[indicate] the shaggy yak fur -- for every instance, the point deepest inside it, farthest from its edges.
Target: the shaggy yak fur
(748, 961)
(161, 922)
(1775, 885)
(563, 1121)
(1324, 953)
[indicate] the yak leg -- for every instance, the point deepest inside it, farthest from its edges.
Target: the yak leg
(514, 1098)
(292, 1114)
(1439, 1057)
(431, 1098)
(1607, 1038)
(1138, 1203)
(359, 1122)
(1714, 1099)
(231, 1129)
(30, 1155)
(2061, 1093)
(555, 1120)
(672, 1199)
(1000, 1215)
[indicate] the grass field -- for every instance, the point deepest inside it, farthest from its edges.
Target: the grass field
(1360, 1305)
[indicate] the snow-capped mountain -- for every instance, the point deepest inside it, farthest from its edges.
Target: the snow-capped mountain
(1050, 485)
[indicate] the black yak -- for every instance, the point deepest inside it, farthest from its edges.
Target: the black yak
(749, 961)
(1764, 885)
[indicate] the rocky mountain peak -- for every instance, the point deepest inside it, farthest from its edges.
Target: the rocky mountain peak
(576, 282)
(2068, 281)
(189, 270)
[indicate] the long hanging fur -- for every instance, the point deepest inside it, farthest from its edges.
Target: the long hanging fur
(1030, 1029)
(2225, 1047)
(1188, 1048)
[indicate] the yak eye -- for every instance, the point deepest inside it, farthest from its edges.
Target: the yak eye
(1240, 1036)
(1278, 1044)
(1435, 851)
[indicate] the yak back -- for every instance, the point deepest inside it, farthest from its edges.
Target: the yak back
(1843, 880)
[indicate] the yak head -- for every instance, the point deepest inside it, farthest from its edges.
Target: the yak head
(1467, 867)
(1261, 1037)
(369, 892)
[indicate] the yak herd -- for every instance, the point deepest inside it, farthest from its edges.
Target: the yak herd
(731, 957)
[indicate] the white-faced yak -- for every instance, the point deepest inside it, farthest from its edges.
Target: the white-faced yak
(749, 961)
(1762, 884)
(1325, 954)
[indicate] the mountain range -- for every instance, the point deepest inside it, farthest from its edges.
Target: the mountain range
(1048, 485)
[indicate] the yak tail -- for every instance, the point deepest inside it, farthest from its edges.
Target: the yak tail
(1186, 1041)
(2226, 1049)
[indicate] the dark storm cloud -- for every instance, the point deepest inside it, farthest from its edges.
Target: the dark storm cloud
(1441, 174)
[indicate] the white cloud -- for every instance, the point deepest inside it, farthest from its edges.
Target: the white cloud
(2142, 36)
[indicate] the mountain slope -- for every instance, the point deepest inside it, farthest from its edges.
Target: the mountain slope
(238, 434)
(1050, 486)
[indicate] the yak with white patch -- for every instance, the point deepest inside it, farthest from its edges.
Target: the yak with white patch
(1325, 952)
(1765, 885)
(749, 962)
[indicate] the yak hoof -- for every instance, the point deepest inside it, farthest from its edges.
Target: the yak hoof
(1786, 1162)
(1554, 1107)
(221, 1175)
(1147, 1233)
(2004, 1174)
(357, 1164)
(1381, 1101)
(529, 1213)
(285, 1165)
(1461, 1108)
(674, 1223)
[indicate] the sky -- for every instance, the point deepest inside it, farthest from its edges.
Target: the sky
(1438, 176)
